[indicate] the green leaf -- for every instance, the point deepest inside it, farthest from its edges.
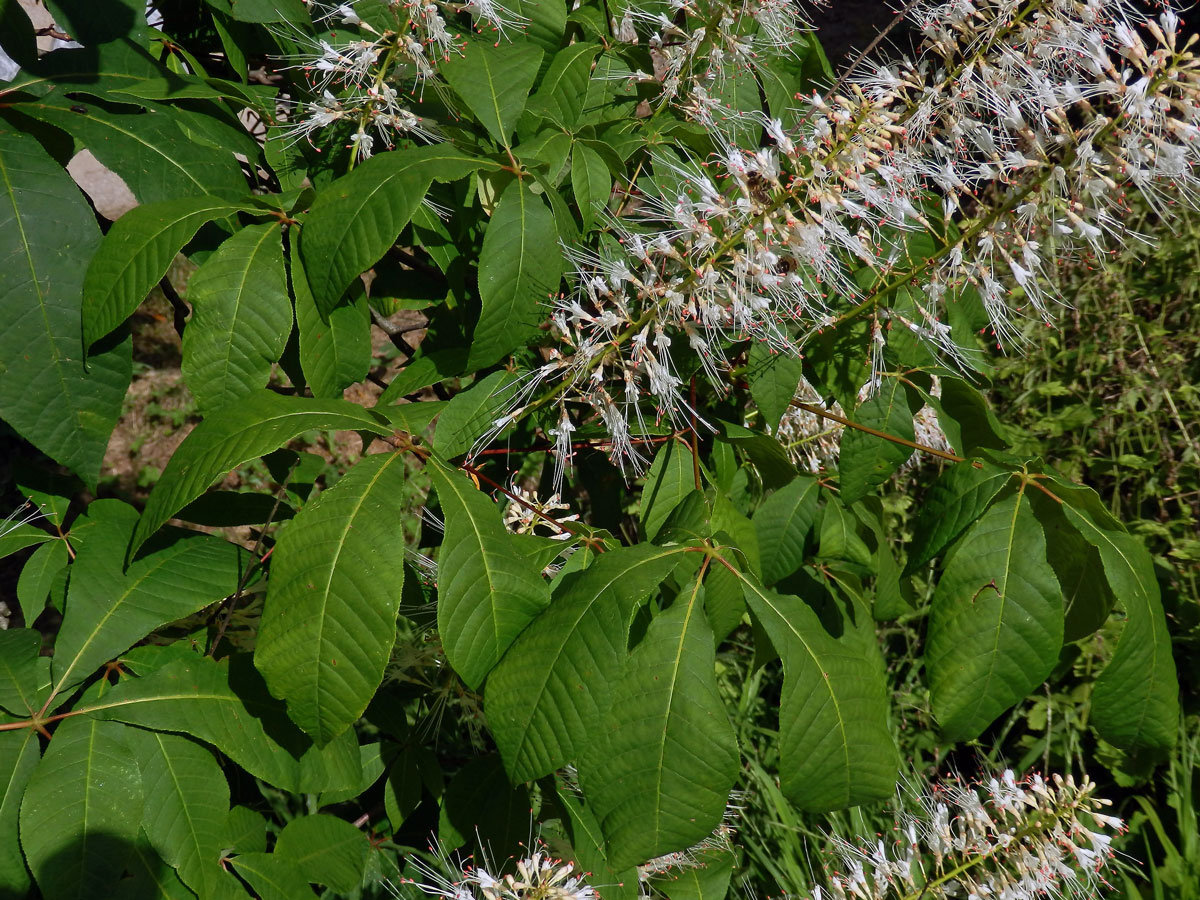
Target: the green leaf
(330, 616)
(587, 840)
(271, 876)
(335, 352)
(956, 499)
(671, 478)
(47, 394)
(225, 704)
(473, 413)
(866, 461)
(564, 86)
(263, 10)
(150, 878)
(545, 698)
(480, 806)
(996, 626)
(136, 253)
(591, 183)
(255, 426)
(76, 826)
(836, 748)
(839, 535)
(519, 268)
(488, 591)
(325, 850)
(247, 830)
(19, 757)
(783, 523)
(14, 538)
(705, 878)
(356, 219)
(774, 378)
(148, 150)
(241, 317)
(1135, 701)
(187, 816)
(110, 608)
(494, 82)
(19, 648)
(771, 461)
(659, 772)
(38, 574)
(966, 418)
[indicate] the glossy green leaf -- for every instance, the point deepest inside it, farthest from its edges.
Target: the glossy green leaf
(272, 877)
(76, 824)
(519, 269)
(564, 86)
(1135, 702)
(325, 850)
(671, 478)
(957, 498)
(488, 590)
(866, 461)
(784, 523)
(110, 608)
(241, 317)
(836, 748)
(665, 757)
(19, 756)
(591, 183)
(545, 698)
(494, 82)
(37, 575)
(47, 394)
(136, 253)
(263, 10)
(148, 150)
(330, 616)
(187, 817)
(774, 379)
(14, 538)
(996, 627)
(335, 352)
(839, 534)
(19, 648)
(473, 413)
(247, 830)
(226, 704)
(358, 217)
(251, 428)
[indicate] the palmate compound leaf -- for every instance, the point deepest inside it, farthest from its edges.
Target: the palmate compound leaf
(519, 268)
(136, 253)
(356, 219)
(659, 771)
(47, 231)
(187, 818)
(241, 317)
(545, 699)
(835, 745)
(110, 607)
(996, 627)
(329, 621)
(19, 756)
(489, 589)
(1135, 702)
(252, 427)
(226, 704)
(80, 815)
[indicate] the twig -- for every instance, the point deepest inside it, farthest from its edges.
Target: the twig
(934, 451)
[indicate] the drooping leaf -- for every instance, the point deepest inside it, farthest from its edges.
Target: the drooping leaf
(774, 378)
(671, 478)
(253, 427)
(325, 850)
(330, 616)
(47, 394)
(488, 590)
(836, 748)
(241, 317)
(590, 182)
(76, 827)
(956, 499)
(271, 876)
(19, 648)
(839, 534)
(545, 698)
(334, 352)
(561, 92)
(494, 82)
(136, 253)
(187, 816)
(665, 757)
(110, 608)
(783, 523)
(966, 418)
(37, 576)
(1135, 702)
(358, 217)
(226, 704)
(519, 268)
(996, 627)
(866, 461)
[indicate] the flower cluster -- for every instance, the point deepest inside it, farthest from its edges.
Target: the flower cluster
(1002, 838)
(537, 876)
(1010, 143)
